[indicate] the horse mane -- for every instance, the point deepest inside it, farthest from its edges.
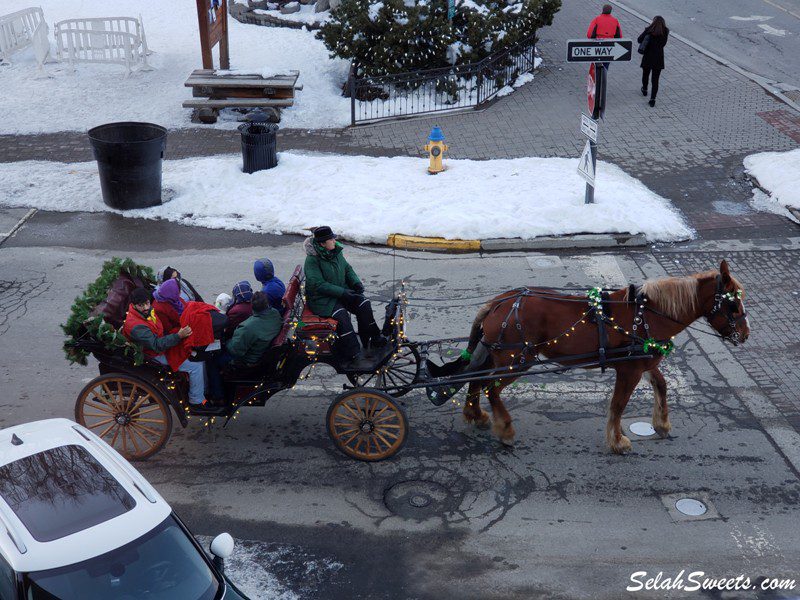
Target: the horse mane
(677, 296)
(673, 296)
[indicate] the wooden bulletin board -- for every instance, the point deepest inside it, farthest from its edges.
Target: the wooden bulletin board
(212, 18)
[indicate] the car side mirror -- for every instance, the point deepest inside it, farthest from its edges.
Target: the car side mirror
(221, 547)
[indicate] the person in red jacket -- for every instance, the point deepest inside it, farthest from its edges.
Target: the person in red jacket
(142, 327)
(604, 26)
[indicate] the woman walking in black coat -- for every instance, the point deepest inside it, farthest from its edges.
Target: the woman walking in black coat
(653, 38)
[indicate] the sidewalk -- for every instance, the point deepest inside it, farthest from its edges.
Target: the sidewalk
(689, 148)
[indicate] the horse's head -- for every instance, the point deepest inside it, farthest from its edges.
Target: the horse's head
(725, 312)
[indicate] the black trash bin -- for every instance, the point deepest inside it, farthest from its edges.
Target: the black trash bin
(129, 159)
(259, 146)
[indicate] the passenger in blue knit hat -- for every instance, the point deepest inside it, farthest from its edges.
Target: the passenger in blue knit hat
(272, 286)
(241, 308)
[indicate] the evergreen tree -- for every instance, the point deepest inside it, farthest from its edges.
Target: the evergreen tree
(395, 36)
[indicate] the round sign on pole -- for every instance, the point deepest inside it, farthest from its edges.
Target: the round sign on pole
(591, 88)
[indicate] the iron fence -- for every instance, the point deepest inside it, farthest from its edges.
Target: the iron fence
(436, 90)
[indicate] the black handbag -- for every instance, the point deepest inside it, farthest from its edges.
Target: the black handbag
(643, 44)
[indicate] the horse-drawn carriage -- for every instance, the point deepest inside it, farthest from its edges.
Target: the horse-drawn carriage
(525, 331)
(132, 406)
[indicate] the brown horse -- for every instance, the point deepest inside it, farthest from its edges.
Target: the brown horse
(518, 325)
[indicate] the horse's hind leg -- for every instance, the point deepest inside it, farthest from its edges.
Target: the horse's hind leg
(660, 411)
(473, 413)
(627, 380)
(502, 426)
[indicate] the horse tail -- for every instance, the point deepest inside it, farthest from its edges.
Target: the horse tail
(477, 327)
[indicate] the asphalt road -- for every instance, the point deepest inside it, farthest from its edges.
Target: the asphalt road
(760, 36)
(557, 516)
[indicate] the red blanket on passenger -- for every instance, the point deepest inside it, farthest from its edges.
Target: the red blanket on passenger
(196, 315)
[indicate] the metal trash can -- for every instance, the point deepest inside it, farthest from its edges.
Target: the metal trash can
(259, 144)
(129, 157)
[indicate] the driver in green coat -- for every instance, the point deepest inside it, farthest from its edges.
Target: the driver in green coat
(334, 290)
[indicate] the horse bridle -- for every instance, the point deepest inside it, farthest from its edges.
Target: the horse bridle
(726, 302)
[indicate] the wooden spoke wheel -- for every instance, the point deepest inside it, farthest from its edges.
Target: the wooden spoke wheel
(126, 412)
(367, 424)
(401, 370)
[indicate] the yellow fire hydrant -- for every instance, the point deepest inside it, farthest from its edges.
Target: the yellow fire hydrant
(436, 149)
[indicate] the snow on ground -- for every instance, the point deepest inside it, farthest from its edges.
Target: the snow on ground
(96, 94)
(253, 565)
(306, 14)
(365, 199)
(779, 174)
(519, 81)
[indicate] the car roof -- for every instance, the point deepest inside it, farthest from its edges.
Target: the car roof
(20, 546)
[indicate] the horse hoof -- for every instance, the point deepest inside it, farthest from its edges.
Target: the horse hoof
(662, 430)
(623, 446)
(505, 433)
(481, 422)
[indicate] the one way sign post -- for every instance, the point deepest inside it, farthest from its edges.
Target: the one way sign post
(614, 50)
(599, 53)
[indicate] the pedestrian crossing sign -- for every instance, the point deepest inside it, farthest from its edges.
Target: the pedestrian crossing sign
(586, 164)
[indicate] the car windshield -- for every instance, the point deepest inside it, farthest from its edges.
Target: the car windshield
(163, 564)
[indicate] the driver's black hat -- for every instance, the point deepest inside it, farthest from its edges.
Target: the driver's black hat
(323, 234)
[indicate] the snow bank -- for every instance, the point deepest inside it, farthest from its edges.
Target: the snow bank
(778, 173)
(96, 94)
(365, 199)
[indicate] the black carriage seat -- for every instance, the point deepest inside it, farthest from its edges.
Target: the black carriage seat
(266, 368)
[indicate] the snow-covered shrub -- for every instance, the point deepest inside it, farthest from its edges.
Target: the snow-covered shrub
(384, 37)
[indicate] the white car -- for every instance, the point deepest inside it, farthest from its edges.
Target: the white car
(77, 521)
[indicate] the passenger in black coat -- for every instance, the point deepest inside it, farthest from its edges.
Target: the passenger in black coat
(653, 57)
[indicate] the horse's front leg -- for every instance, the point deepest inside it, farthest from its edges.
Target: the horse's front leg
(627, 380)
(502, 426)
(473, 413)
(660, 411)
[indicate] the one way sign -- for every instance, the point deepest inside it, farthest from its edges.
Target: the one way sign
(616, 50)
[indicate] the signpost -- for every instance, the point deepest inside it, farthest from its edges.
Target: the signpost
(451, 9)
(212, 17)
(599, 53)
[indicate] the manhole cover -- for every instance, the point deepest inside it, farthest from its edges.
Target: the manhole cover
(691, 507)
(419, 499)
(545, 262)
(642, 429)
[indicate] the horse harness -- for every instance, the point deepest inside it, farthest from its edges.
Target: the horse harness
(728, 302)
(600, 311)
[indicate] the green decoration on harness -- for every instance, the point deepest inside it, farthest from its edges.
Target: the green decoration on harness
(663, 348)
(80, 321)
(466, 354)
(595, 295)
(731, 297)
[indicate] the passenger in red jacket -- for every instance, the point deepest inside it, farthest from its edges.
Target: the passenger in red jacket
(604, 26)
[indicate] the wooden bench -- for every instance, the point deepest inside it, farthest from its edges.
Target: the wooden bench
(216, 90)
